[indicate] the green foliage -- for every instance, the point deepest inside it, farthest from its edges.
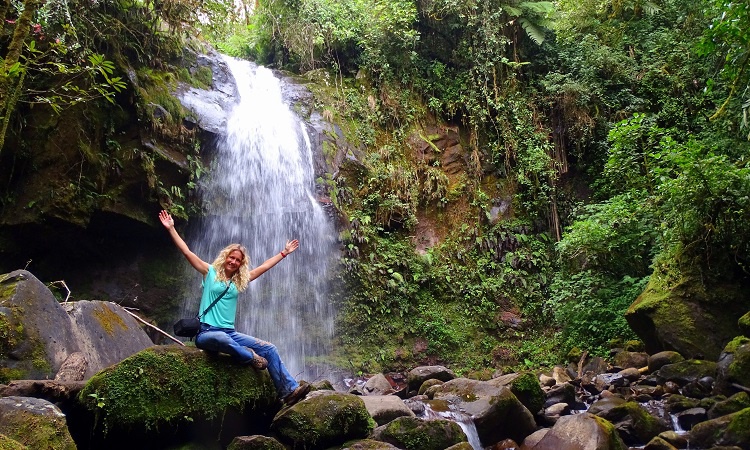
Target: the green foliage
(591, 306)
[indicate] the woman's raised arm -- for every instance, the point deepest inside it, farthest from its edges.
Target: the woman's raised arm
(272, 261)
(199, 265)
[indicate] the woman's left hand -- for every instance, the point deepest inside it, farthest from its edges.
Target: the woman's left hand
(291, 246)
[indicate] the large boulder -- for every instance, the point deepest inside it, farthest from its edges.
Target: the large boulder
(42, 335)
(525, 387)
(106, 334)
(734, 365)
(35, 423)
(35, 332)
(635, 425)
(495, 411)
(687, 371)
(412, 433)
(171, 383)
(689, 316)
(419, 375)
(384, 408)
(732, 429)
(580, 432)
(324, 419)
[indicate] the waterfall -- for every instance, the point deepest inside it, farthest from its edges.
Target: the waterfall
(260, 193)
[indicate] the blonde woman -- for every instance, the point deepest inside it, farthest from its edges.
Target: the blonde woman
(231, 268)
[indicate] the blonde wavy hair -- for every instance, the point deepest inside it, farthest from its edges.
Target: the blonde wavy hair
(241, 278)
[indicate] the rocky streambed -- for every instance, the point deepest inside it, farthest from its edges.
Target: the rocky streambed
(72, 382)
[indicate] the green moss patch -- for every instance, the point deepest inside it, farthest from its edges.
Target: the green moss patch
(173, 382)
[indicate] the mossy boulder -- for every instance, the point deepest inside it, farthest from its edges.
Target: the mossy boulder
(255, 443)
(635, 425)
(171, 382)
(734, 364)
(324, 419)
(679, 311)
(496, 412)
(35, 423)
(744, 324)
(525, 386)
(35, 332)
(412, 433)
(581, 431)
(687, 371)
(733, 429)
(417, 376)
(661, 359)
(733, 404)
(39, 334)
(368, 444)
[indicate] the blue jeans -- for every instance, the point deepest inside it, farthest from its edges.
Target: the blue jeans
(227, 340)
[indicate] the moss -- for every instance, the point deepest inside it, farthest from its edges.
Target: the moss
(526, 388)
(744, 324)
(738, 429)
(415, 434)
(169, 382)
(7, 443)
(739, 369)
(108, 319)
(38, 432)
(735, 343)
(323, 421)
(609, 430)
(645, 426)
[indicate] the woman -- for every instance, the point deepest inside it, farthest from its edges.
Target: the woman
(232, 269)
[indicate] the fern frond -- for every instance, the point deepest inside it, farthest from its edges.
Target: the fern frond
(650, 8)
(532, 30)
(542, 8)
(512, 10)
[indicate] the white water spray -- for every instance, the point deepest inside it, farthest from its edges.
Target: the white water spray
(260, 193)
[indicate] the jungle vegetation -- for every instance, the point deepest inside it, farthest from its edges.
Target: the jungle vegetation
(616, 131)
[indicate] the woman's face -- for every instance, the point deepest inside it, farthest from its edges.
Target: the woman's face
(233, 262)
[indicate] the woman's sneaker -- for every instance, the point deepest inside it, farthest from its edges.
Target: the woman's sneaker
(297, 394)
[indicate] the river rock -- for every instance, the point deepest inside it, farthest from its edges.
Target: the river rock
(661, 359)
(384, 408)
(733, 404)
(436, 434)
(658, 443)
(495, 411)
(687, 371)
(690, 417)
(734, 365)
(635, 425)
(580, 432)
(35, 423)
(419, 375)
(625, 359)
(525, 387)
(732, 429)
(255, 443)
(744, 324)
(323, 419)
(377, 385)
(369, 444)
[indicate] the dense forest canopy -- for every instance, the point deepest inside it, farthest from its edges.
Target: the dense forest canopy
(613, 135)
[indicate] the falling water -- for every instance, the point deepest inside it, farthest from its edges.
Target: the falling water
(260, 193)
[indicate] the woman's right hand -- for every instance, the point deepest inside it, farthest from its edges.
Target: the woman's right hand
(166, 219)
